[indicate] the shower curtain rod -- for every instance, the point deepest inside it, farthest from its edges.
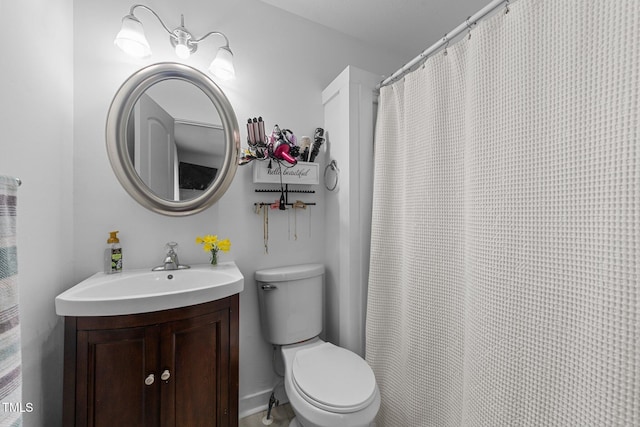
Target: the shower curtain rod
(466, 25)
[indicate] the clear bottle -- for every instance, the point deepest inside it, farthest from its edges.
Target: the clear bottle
(113, 254)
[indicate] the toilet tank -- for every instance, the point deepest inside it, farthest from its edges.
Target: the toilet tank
(291, 301)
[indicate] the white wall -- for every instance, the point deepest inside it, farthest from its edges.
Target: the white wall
(36, 118)
(56, 86)
(282, 65)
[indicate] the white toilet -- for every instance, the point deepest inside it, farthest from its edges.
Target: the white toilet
(327, 386)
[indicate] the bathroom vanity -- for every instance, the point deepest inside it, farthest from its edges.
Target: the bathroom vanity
(152, 348)
(176, 367)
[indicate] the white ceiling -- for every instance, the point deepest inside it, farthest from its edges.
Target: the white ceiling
(406, 27)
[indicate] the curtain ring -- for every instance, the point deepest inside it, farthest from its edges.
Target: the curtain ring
(506, 7)
(469, 26)
(445, 40)
(334, 166)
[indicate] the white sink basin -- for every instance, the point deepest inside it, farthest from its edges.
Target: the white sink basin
(143, 291)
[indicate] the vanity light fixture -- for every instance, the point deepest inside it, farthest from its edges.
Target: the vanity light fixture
(131, 40)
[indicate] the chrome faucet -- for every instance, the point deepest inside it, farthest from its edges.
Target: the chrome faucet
(171, 260)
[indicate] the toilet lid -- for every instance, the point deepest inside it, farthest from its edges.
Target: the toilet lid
(333, 378)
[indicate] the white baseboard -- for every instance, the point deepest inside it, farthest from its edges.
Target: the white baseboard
(258, 402)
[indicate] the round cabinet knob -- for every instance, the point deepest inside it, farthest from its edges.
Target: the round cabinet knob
(150, 379)
(165, 375)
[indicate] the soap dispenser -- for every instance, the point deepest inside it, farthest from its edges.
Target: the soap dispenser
(113, 254)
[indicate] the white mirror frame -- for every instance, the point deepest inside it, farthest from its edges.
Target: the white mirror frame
(116, 138)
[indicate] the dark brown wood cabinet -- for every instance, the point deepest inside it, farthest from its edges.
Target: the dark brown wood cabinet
(176, 367)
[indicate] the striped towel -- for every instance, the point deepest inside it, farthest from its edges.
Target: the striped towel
(10, 356)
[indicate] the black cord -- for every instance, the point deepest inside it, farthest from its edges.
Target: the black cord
(283, 202)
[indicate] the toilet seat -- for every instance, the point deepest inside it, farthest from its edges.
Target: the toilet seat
(333, 379)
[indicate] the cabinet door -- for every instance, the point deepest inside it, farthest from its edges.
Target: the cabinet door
(113, 387)
(195, 352)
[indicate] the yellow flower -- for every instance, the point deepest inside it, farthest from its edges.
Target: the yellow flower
(211, 239)
(210, 243)
(224, 245)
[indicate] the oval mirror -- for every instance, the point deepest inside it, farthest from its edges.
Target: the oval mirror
(172, 139)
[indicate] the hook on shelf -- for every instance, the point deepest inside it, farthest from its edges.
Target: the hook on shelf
(276, 205)
(284, 198)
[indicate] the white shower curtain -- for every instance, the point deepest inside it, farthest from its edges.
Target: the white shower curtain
(505, 257)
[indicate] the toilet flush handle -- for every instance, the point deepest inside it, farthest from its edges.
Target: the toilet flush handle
(269, 287)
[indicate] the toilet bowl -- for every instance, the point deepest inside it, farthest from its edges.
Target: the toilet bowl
(327, 386)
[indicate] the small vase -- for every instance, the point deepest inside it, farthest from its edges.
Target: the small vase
(214, 258)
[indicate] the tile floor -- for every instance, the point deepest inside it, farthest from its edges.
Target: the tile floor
(281, 416)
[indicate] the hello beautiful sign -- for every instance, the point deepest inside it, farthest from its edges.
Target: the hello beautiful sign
(301, 173)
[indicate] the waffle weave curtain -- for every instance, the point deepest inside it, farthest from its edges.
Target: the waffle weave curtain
(504, 282)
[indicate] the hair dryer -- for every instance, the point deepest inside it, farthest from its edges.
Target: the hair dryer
(281, 150)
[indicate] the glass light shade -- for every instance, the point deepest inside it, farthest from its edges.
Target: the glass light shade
(180, 41)
(183, 51)
(131, 38)
(222, 64)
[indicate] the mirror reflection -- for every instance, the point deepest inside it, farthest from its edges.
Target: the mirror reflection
(176, 141)
(172, 139)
